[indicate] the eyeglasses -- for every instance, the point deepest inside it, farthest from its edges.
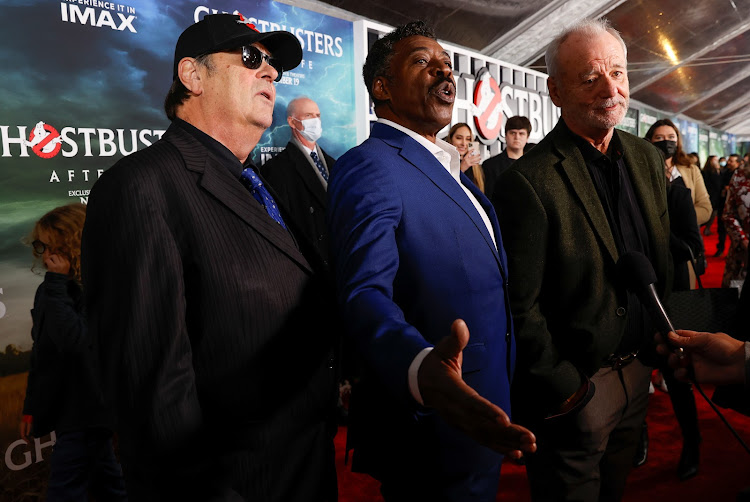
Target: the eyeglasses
(39, 247)
(252, 58)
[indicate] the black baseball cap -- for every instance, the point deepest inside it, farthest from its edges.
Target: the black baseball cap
(221, 32)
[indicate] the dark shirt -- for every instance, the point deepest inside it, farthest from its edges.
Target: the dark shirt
(493, 168)
(615, 189)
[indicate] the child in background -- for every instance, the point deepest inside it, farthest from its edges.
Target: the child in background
(62, 392)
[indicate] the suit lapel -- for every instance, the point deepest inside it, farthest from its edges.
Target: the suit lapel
(638, 167)
(218, 181)
(424, 161)
(490, 210)
(574, 168)
(304, 170)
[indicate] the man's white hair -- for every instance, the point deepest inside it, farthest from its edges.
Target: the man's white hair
(585, 27)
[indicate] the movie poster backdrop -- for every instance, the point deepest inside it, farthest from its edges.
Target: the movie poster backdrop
(83, 85)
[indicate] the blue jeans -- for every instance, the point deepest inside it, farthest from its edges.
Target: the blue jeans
(84, 461)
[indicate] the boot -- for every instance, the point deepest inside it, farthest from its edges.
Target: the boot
(641, 452)
(689, 460)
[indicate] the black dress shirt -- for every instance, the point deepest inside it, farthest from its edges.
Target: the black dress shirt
(615, 189)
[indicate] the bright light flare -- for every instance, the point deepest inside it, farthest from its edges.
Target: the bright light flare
(671, 54)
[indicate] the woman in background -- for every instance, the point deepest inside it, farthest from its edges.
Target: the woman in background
(460, 136)
(666, 137)
(62, 393)
(685, 244)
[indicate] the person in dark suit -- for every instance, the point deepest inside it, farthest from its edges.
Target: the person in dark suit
(201, 302)
(568, 209)
(421, 273)
(713, 179)
(300, 180)
(517, 132)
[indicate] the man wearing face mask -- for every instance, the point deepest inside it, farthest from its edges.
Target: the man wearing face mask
(299, 174)
(713, 177)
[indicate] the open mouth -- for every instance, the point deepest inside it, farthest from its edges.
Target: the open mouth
(446, 91)
(267, 95)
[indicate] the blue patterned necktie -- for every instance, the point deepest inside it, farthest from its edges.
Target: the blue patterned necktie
(261, 194)
(319, 165)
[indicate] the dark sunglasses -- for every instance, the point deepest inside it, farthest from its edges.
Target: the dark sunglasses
(252, 58)
(39, 247)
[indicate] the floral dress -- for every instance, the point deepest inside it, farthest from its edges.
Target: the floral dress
(737, 222)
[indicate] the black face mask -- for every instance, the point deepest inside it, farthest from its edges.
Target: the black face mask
(668, 147)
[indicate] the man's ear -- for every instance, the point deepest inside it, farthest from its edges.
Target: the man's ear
(380, 90)
(187, 72)
(290, 121)
(554, 91)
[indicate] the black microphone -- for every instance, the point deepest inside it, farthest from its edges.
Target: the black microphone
(636, 271)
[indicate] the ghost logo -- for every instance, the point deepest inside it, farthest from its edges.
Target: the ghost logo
(246, 22)
(44, 140)
(487, 101)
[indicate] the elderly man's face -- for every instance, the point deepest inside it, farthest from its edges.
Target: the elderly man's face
(420, 89)
(240, 96)
(592, 86)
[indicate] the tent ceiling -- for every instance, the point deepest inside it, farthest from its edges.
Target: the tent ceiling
(685, 56)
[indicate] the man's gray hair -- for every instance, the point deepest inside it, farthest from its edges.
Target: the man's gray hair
(585, 27)
(291, 108)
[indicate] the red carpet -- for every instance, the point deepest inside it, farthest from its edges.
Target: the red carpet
(724, 468)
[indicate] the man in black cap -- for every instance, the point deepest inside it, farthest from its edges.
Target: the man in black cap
(201, 298)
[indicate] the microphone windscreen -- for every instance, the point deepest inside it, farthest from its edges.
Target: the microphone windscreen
(636, 271)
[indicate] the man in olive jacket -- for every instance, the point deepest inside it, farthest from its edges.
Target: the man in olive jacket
(568, 210)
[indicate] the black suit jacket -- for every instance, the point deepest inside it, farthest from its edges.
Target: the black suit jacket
(62, 393)
(569, 304)
(684, 234)
(202, 308)
(298, 188)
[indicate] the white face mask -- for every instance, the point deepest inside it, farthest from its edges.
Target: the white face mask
(313, 129)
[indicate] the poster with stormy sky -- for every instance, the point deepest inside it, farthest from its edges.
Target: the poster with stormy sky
(83, 84)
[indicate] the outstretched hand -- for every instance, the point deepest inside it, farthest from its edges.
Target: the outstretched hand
(715, 358)
(443, 388)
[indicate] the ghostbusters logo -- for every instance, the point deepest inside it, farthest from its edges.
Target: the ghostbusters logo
(44, 140)
(246, 22)
(487, 105)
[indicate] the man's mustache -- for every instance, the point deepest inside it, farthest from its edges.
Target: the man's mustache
(612, 102)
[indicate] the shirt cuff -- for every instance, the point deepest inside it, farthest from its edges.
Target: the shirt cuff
(414, 373)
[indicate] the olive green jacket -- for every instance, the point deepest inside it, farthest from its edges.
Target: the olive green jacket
(568, 305)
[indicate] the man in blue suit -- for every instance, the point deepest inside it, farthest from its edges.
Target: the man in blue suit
(420, 264)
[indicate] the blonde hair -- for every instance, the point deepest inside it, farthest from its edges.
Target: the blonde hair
(476, 171)
(65, 226)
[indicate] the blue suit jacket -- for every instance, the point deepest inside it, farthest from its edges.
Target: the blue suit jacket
(411, 255)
